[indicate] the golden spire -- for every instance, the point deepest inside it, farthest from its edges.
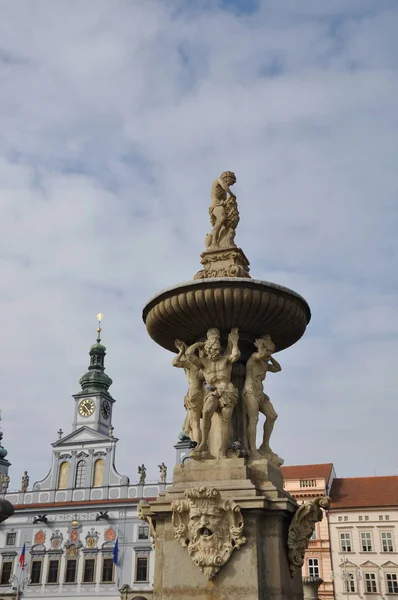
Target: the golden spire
(100, 316)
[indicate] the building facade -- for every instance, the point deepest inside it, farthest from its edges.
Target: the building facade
(306, 482)
(364, 537)
(79, 524)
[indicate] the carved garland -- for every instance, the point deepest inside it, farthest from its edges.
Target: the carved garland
(301, 529)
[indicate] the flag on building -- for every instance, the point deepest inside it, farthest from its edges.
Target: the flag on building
(22, 557)
(115, 556)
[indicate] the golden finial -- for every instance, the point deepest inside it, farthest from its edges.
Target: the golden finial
(100, 316)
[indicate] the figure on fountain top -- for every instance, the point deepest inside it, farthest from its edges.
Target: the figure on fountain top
(222, 258)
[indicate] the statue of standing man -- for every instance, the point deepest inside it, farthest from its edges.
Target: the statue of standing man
(24, 482)
(193, 401)
(256, 401)
(163, 472)
(221, 395)
(142, 474)
(224, 214)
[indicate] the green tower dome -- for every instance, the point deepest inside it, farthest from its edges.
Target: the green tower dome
(96, 380)
(3, 451)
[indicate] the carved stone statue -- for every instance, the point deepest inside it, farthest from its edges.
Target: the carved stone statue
(5, 482)
(256, 401)
(193, 401)
(163, 472)
(24, 482)
(210, 527)
(224, 214)
(142, 474)
(301, 529)
(220, 393)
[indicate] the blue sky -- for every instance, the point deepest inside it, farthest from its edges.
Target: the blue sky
(115, 119)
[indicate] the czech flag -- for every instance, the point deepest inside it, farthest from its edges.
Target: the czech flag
(115, 555)
(22, 557)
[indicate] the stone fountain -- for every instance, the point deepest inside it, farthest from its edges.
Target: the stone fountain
(225, 528)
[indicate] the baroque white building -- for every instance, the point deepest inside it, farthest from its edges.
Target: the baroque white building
(70, 520)
(363, 521)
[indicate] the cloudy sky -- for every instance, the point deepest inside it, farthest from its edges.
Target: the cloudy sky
(115, 118)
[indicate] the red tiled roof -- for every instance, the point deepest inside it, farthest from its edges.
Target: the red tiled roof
(322, 471)
(361, 492)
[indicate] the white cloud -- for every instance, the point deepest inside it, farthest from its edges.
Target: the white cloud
(115, 118)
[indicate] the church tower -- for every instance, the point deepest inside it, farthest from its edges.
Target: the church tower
(93, 405)
(85, 458)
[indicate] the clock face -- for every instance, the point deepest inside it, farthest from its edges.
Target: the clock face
(86, 407)
(105, 409)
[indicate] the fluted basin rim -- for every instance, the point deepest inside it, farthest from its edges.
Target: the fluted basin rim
(229, 281)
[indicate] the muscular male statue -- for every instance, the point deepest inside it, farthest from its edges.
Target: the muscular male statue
(224, 214)
(193, 401)
(256, 401)
(220, 393)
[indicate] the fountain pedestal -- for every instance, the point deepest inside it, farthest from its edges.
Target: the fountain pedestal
(259, 569)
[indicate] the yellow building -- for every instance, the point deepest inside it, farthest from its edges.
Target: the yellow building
(306, 482)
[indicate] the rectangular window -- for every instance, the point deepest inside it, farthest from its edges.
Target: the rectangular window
(370, 583)
(380, 517)
(53, 568)
(345, 542)
(307, 483)
(70, 571)
(89, 570)
(313, 567)
(11, 539)
(349, 583)
(360, 518)
(340, 518)
(313, 537)
(386, 541)
(366, 518)
(392, 583)
(35, 571)
(143, 532)
(345, 518)
(107, 570)
(387, 517)
(141, 570)
(366, 541)
(6, 572)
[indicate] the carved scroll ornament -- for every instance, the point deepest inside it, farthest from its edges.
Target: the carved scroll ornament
(301, 529)
(210, 527)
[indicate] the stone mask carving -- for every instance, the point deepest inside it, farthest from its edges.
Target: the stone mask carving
(210, 527)
(301, 529)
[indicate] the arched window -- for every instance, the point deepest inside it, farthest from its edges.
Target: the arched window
(80, 474)
(63, 475)
(98, 473)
